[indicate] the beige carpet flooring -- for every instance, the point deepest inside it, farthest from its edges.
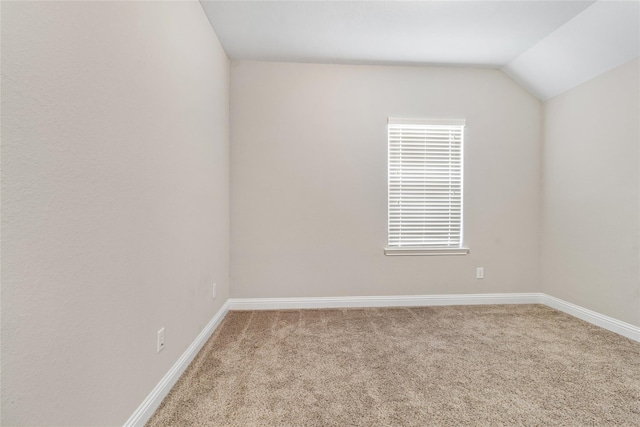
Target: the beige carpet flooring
(465, 365)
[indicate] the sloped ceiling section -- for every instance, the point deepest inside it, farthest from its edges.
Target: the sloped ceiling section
(601, 38)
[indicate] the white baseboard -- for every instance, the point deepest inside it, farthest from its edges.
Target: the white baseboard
(606, 322)
(382, 301)
(160, 391)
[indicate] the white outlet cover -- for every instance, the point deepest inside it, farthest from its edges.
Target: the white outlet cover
(214, 291)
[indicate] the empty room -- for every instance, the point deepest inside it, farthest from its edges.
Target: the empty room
(320, 213)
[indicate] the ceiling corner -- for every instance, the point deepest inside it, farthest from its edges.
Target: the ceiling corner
(599, 39)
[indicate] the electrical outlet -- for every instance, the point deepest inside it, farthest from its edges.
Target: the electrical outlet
(214, 291)
(160, 340)
(480, 273)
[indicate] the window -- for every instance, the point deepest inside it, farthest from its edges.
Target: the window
(425, 187)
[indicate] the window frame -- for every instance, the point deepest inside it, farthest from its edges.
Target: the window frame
(426, 250)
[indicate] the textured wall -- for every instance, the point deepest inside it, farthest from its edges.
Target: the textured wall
(591, 194)
(309, 179)
(115, 201)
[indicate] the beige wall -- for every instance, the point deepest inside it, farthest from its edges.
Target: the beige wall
(590, 206)
(115, 202)
(309, 177)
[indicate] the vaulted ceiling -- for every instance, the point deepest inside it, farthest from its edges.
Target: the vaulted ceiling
(547, 46)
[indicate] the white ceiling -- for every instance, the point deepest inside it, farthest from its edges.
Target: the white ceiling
(532, 41)
(481, 33)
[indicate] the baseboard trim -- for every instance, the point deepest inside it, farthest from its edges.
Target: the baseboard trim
(382, 301)
(614, 325)
(160, 391)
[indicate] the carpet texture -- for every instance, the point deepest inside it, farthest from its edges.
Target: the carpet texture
(502, 365)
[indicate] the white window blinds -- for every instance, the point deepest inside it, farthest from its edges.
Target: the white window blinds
(425, 183)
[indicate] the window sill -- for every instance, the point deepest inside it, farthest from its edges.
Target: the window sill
(425, 251)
